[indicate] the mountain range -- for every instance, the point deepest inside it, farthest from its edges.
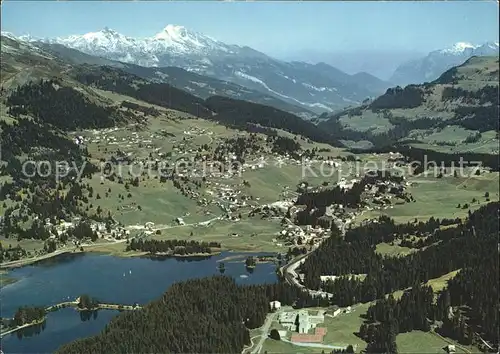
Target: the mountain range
(205, 67)
(64, 91)
(315, 87)
(198, 85)
(431, 66)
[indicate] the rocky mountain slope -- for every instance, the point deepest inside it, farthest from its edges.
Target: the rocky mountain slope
(430, 67)
(317, 87)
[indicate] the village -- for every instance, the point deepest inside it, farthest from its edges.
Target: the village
(216, 180)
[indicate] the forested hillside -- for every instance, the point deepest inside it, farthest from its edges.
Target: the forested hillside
(231, 112)
(471, 246)
(161, 94)
(53, 104)
(238, 113)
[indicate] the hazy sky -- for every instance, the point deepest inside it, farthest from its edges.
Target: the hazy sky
(276, 28)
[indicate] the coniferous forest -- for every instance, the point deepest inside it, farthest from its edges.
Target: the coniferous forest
(467, 308)
(176, 247)
(51, 103)
(209, 315)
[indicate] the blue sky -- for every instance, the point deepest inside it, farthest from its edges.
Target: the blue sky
(276, 28)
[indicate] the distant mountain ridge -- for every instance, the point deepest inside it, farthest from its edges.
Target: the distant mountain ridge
(463, 100)
(78, 99)
(319, 87)
(430, 67)
(198, 85)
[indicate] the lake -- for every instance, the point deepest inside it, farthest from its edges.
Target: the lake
(110, 280)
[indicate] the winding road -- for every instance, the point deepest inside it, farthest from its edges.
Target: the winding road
(288, 270)
(264, 331)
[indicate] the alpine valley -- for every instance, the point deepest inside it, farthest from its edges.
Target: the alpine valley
(176, 194)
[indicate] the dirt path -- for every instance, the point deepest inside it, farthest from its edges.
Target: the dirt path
(34, 323)
(447, 340)
(185, 225)
(250, 346)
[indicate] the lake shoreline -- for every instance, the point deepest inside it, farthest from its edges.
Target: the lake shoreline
(4, 279)
(26, 325)
(109, 279)
(75, 305)
(125, 254)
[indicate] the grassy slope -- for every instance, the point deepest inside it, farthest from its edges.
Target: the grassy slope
(388, 250)
(439, 197)
(475, 74)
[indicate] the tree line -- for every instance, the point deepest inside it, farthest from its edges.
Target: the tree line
(388, 317)
(208, 315)
(151, 111)
(238, 113)
(410, 96)
(27, 314)
(177, 247)
(161, 94)
(426, 157)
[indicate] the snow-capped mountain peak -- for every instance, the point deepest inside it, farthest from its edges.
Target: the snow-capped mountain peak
(180, 37)
(172, 32)
(436, 62)
(313, 88)
(109, 31)
(459, 48)
(173, 39)
(489, 48)
(103, 40)
(10, 35)
(465, 48)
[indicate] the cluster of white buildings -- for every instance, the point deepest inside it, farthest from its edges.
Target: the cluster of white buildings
(62, 226)
(301, 321)
(296, 235)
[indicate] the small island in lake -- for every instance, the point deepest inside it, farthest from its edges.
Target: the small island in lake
(250, 263)
(175, 248)
(27, 316)
(222, 268)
